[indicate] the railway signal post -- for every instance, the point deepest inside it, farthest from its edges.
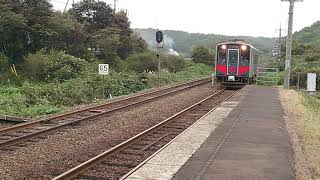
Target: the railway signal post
(289, 44)
(159, 39)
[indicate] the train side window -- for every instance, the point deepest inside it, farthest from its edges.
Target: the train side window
(255, 59)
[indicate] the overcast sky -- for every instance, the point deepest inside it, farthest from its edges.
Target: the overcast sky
(227, 17)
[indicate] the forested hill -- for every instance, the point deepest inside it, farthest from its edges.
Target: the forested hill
(309, 34)
(182, 42)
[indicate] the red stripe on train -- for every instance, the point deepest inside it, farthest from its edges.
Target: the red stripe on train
(243, 70)
(222, 70)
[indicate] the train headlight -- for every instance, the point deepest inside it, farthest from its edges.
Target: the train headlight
(224, 47)
(244, 47)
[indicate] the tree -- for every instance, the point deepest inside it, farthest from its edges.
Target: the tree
(109, 32)
(26, 26)
(67, 34)
(13, 28)
(201, 54)
(139, 45)
(129, 42)
(94, 15)
(122, 22)
(37, 14)
(107, 41)
(23, 26)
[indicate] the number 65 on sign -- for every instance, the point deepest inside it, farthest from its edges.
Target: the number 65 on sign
(104, 69)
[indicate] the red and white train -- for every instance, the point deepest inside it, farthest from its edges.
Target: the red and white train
(236, 63)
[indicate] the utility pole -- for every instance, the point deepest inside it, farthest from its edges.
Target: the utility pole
(65, 8)
(289, 44)
(115, 6)
(279, 42)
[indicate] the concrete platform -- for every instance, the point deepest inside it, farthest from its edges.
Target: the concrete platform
(245, 138)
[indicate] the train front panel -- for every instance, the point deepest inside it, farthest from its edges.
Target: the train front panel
(233, 62)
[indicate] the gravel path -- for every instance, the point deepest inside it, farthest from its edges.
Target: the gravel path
(295, 112)
(69, 147)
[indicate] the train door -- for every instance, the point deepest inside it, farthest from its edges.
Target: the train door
(233, 61)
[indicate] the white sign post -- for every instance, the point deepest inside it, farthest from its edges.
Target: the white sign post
(312, 83)
(104, 70)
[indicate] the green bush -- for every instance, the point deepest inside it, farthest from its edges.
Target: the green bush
(148, 62)
(201, 54)
(4, 63)
(81, 90)
(193, 70)
(142, 62)
(43, 98)
(115, 63)
(173, 63)
(7, 75)
(55, 65)
(304, 68)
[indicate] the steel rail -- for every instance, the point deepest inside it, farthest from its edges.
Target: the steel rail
(98, 159)
(154, 154)
(29, 124)
(59, 126)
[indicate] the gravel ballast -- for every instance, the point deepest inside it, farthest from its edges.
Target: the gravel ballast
(69, 147)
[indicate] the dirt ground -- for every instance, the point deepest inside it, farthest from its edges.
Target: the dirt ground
(298, 118)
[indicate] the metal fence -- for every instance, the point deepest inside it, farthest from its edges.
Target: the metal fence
(267, 76)
(300, 80)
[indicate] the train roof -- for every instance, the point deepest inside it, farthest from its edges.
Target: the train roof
(239, 42)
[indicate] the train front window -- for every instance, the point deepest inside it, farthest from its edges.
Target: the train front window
(233, 56)
(222, 58)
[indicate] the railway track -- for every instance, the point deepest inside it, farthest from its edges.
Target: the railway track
(121, 159)
(22, 134)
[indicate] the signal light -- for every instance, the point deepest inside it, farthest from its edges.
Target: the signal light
(224, 47)
(244, 47)
(159, 36)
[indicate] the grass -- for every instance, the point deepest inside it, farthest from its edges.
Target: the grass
(309, 132)
(269, 76)
(41, 99)
(188, 73)
(13, 102)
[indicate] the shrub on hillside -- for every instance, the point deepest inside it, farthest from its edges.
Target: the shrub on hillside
(7, 74)
(4, 63)
(147, 61)
(55, 65)
(304, 68)
(115, 63)
(142, 62)
(202, 54)
(81, 90)
(173, 63)
(192, 71)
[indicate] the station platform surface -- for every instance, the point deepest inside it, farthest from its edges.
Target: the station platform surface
(244, 139)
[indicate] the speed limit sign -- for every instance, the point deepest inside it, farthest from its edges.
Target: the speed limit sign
(104, 69)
